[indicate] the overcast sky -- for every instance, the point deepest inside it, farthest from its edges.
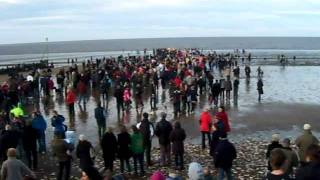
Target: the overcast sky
(61, 20)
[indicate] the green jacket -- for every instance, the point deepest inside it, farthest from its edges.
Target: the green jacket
(60, 149)
(303, 142)
(137, 143)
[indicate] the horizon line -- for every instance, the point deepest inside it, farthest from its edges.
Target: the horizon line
(137, 38)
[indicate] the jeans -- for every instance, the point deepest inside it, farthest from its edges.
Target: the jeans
(178, 158)
(64, 166)
(223, 172)
(42, 141)
(122, 162)
(82, 97)
(138, 158)
(204, 139)
(165, 151)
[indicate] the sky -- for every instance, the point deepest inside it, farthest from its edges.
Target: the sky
(63, 20)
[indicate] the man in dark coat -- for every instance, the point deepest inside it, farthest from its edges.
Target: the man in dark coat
(236, 83)
(147, 130)
(274, 144)
(177, 136)
(109, 149)
(163, 130)
(29, 140)
(99, 114)
(9, 139)
(124, 152)
(85, 153)
(118, 94)
(225, 153)
(260, 88)
(62, 151)
(311, 170)
(215, 91)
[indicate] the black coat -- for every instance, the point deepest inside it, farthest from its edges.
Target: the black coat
(83, 153)
(8, 139)
(272, 146)
(29, 139)
(177, 136)
(163, 130)
(109, 145)
(215, 90)
(310, 171)
(225, 153)
(145, 131)
(124, 142)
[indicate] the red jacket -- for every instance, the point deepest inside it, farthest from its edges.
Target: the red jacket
(205, 121)
(82, 88)
(71, 97)
(224, 118)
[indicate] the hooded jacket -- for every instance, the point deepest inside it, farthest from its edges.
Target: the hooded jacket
(205, 121)
(195, 171)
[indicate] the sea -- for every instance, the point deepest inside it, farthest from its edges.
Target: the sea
(266, 49)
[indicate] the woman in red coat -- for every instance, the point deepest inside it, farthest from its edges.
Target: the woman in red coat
(205, 126)
(70, 100)
(223, 116)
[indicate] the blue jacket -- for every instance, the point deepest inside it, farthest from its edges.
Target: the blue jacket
(39, 123)
(57, 123)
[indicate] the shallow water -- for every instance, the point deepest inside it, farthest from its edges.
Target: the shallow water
(290, 99)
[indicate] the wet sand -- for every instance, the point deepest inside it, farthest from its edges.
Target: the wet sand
(290, 100)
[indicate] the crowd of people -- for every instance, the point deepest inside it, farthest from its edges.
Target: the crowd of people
(185, 74)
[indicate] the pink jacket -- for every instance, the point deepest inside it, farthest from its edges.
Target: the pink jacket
(126, 95)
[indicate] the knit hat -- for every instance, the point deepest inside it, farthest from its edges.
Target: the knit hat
(82, 137)
(195, 171)
(157, 176)
(275, 137)
(306, 127)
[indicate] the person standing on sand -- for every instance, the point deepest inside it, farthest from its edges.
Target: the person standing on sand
(40, 125)
(109, 148)
(85, 152)
(228, 86)
(260, 88)
(29, 141)
(163, 130)
(100, 115)
(205, 123)
(311, 170)
(70, 100)
(147, 130)
(277, 161)
(57, 122)
(119, 95)
(137, 148)
(291, 155)
(223, 117)
(177, 137)
(236, 83)
(224, 155)
(62, 151)
(124, 151)
(304, 141)
(274, 144)
(82, 89)
(215, 90)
